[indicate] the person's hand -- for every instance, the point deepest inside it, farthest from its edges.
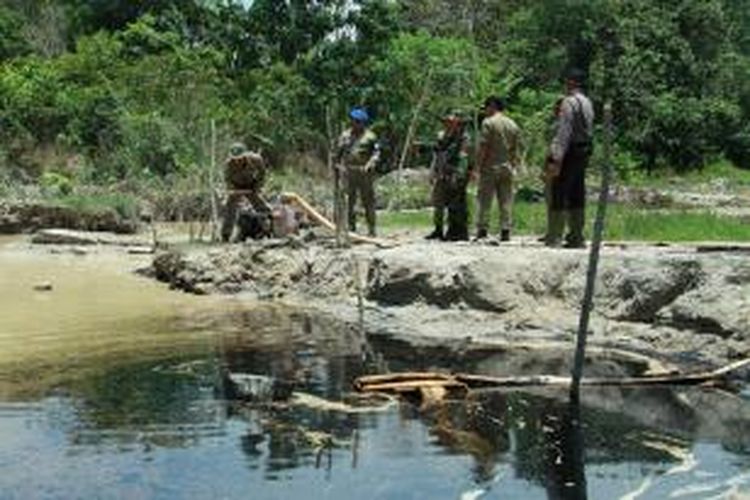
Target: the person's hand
(553, 170)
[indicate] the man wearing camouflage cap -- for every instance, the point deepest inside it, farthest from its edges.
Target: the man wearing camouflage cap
(357, 155)
(450, 175)
(244, 173)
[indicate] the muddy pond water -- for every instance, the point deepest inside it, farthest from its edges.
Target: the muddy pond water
(111, 386)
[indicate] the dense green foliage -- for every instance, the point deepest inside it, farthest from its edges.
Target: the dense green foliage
(107, 90)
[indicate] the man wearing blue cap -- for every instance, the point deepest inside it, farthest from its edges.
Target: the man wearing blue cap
(357, 155)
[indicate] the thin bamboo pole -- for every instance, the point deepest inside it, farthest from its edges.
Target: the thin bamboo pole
(212, 185)
(596, 245)
(426, 90)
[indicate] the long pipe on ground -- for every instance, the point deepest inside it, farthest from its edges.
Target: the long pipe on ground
(295, 199)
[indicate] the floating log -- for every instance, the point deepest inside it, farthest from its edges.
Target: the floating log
(401, 383)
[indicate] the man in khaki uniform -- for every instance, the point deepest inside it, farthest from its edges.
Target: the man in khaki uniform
(244, 174)
(357, 155)
(497, 162)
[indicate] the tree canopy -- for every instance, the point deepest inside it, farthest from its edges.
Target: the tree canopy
(130, 87)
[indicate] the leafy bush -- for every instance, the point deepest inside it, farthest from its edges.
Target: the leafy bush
(738, 149)
(56, 184)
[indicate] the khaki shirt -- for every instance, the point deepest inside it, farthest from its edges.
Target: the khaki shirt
(358, 152)
(247, 171)
(500, 139)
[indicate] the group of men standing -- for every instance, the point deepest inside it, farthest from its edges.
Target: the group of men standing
(497, 164)
(498, 159)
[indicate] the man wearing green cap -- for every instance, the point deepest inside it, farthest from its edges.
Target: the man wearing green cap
(244, 174)
(450, 175)
(357, 155)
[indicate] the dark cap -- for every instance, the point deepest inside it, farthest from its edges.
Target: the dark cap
(454, 114)
(575, 75)
(496, 101)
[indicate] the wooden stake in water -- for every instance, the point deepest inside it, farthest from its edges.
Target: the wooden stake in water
(596, 244)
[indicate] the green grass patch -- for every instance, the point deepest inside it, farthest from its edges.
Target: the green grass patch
(125, 205)
(623, 223)
(628, 224)
(665, 179)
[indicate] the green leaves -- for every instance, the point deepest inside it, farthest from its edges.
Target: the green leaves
(141, 80)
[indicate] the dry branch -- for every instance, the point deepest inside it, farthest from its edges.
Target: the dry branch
(400, 383)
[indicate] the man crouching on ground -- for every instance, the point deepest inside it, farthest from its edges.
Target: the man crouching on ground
(244, 174)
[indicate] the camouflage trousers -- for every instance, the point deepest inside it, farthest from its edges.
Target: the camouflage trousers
(361, 183)
(231, 206)
(495, 182)
(449, 194)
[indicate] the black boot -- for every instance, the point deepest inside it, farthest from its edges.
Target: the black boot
(576, 223)
(505, 235)
(457, 236)
(437, 234)
(481, 234)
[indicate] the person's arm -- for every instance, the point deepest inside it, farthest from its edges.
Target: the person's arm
(561, 141)
(463, 160)
(514, 147)
(374, 157)
(484, 146)
(258, 164)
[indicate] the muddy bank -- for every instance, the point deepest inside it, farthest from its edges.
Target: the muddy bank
(31, 217)
(675, 305)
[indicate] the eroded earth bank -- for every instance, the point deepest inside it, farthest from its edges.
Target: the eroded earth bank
(658, 307)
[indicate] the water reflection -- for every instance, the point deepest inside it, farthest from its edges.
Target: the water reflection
(169, 414)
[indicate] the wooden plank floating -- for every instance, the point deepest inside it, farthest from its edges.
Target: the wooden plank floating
(416, 382)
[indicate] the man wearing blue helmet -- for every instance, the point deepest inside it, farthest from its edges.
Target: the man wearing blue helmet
(357, 155)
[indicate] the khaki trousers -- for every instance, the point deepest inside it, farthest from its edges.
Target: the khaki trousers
(495, 182)
(361, 182)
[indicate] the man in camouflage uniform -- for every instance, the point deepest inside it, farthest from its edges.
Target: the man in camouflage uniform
(498, 160)
(450, 175)
(357, 156)
(244, 174)
(570, 151)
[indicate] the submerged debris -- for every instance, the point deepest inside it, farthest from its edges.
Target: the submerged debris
(256, 388)
(44, 286)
